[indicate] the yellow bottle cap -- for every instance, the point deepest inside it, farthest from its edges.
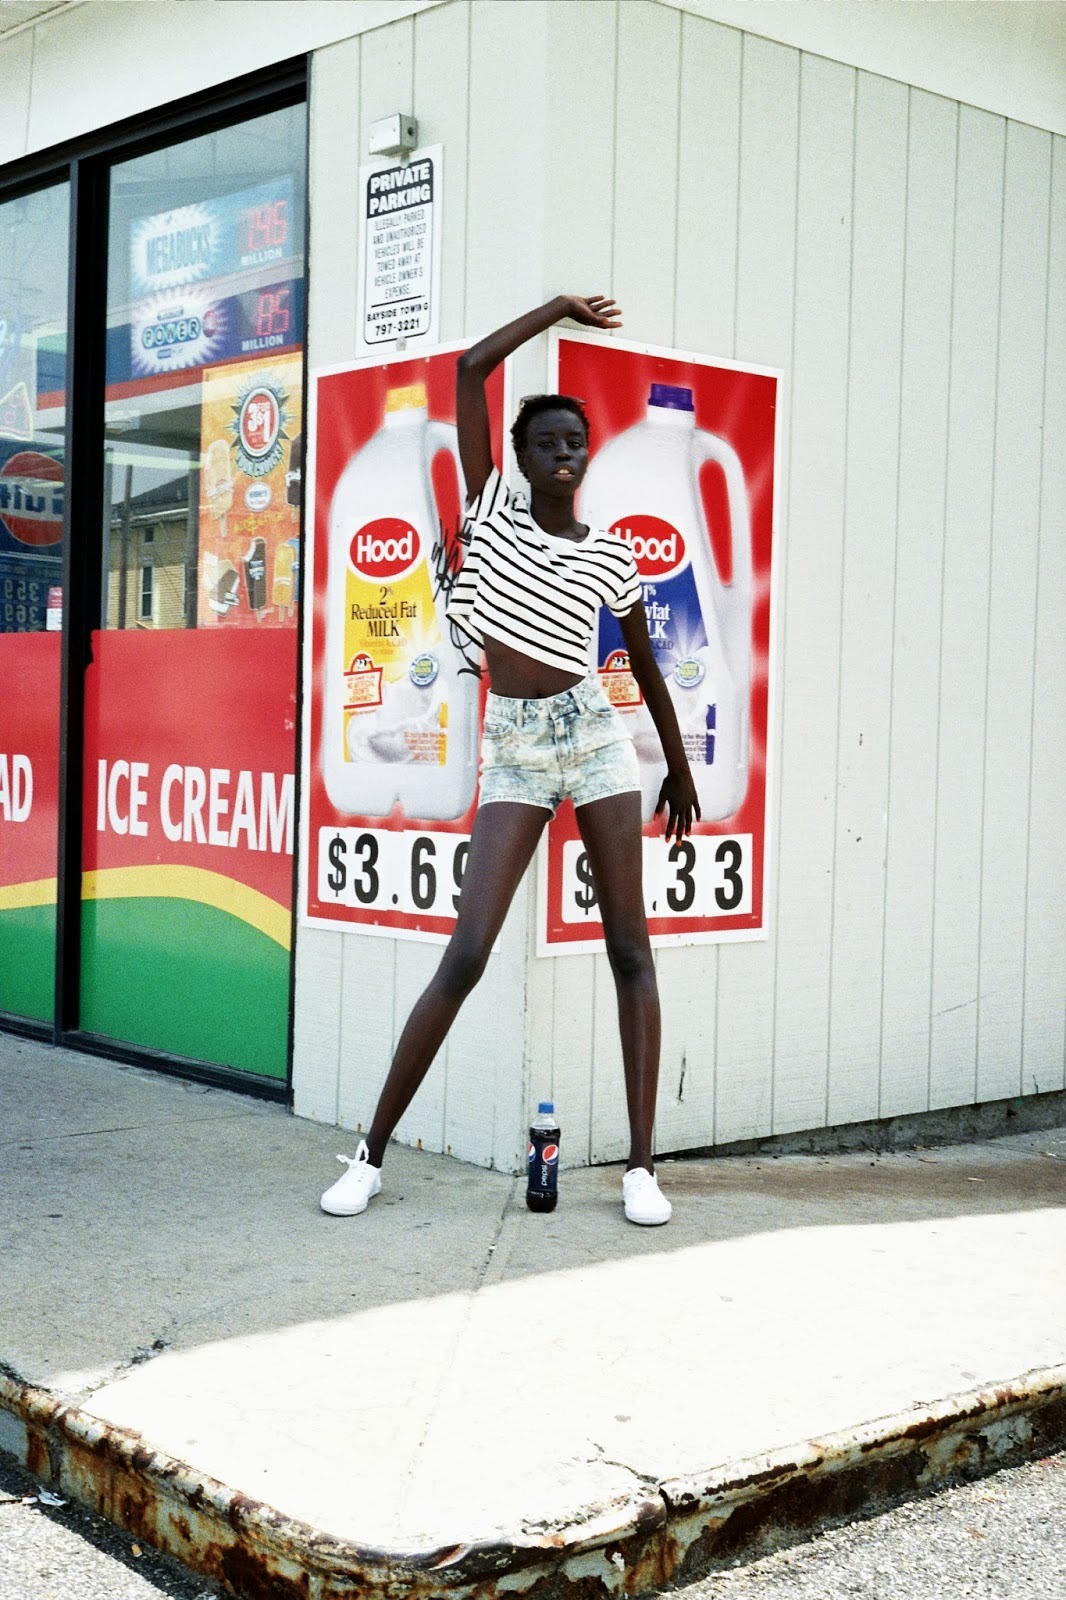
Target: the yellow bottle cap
(410, 399)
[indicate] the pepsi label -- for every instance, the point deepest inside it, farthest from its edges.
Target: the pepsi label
(542, 1187)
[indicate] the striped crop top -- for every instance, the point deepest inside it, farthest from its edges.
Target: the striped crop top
(532, 590)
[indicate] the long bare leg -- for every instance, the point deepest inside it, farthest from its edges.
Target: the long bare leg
(502, 843)
(610, 831)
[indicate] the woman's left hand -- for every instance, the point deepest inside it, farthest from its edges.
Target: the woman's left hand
(593, 311)
(678, 797)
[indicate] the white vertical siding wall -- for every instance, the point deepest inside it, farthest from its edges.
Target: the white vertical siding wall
(902, 259)
(453, 65)
(1044, 1020)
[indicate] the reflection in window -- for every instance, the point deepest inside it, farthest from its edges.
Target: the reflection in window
(204, 393)
(33, 310)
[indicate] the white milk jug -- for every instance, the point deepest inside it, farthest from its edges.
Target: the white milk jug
(644, 486)
(400, 722)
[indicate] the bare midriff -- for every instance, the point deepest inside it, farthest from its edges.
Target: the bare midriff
(519, 677)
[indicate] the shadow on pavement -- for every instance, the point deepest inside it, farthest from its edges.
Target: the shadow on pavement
(143, 1213)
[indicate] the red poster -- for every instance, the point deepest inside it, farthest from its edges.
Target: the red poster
(188, 837)
(197, 790)
(29, 763)
(682, 466)
(29, 809)
(396, 692)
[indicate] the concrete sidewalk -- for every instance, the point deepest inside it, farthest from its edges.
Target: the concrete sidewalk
(450, 1391)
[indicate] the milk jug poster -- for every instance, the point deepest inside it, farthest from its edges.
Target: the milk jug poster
(396, 691)
(681, 466)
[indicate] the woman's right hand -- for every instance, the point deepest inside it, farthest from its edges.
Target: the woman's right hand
(475, 364)
(598, 311)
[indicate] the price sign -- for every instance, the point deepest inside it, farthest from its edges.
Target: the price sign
(374, 869)
(263, 227)
(707, 875)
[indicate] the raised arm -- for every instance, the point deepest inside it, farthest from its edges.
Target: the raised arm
(475, 364)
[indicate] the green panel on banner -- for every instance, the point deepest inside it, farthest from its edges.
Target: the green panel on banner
(27, 961)
(183, 977)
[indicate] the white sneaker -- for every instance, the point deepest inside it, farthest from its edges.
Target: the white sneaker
(644, 1201)
(353, 1192)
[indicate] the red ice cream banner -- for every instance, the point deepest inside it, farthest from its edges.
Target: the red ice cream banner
(396, 693)
(29, 767)
(193, 796)
(682, 467)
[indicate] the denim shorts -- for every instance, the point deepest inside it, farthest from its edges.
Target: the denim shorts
(539, 752)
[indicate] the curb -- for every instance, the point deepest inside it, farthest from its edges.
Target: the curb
(687, 1527)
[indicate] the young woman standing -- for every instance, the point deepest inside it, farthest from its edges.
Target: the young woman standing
(529, 594)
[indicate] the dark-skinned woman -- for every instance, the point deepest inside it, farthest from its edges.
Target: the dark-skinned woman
(529, 594)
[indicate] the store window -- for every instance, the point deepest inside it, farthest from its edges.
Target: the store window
(189, 789)
(33, 341)
(147, 592)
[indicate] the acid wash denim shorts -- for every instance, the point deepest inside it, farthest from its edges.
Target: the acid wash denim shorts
(538, 752)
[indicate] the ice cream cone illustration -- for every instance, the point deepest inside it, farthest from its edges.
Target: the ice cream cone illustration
(294, 477)
(286, 570)
(221, 581)
(254, 563)
(218, 482)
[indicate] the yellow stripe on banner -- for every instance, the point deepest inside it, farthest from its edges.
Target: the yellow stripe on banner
(192, 883)
(17, 896)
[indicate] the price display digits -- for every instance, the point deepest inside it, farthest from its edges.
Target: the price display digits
(705, 875)
(376, 869)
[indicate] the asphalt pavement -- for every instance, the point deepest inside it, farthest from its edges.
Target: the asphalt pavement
(54, 1549)
(1002, 1538)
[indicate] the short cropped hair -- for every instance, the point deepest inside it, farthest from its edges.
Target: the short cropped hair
(534, 404)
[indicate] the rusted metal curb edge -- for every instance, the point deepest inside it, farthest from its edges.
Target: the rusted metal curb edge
(255, 1549)
(691, 1525)
(751, 1507)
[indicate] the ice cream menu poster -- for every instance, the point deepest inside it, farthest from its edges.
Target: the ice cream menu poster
(251, 454)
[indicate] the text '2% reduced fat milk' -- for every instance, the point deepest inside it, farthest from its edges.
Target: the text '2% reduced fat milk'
(644, 485)
(400, 722)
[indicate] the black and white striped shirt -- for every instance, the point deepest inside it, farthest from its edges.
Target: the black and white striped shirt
(535, 591)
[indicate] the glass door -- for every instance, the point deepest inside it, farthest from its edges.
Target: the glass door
(33, 347)
(190, 696)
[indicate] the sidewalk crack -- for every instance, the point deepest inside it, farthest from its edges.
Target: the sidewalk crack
(449, 1360)
(490, 1252)
(139, 1357)
(646, 1479)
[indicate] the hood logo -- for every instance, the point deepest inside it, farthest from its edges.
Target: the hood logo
(385, 549)
(658, 547)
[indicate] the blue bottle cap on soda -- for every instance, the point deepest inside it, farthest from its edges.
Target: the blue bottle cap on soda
(672, 398)
(545, 1105)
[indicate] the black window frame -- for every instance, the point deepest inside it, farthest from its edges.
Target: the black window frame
(147, 592)
(85, 164)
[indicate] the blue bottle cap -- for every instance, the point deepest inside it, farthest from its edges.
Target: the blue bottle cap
(545, 1105)
(674, 399)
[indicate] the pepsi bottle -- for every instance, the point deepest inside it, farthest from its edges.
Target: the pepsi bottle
(542, 1188)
